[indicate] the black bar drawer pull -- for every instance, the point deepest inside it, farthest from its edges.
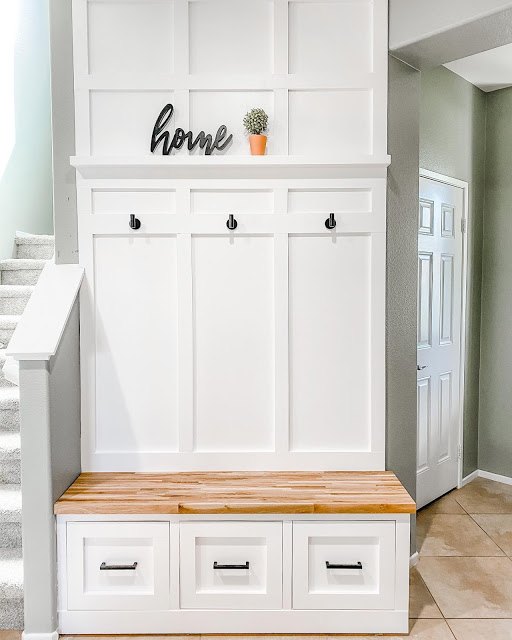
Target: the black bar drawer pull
(216, 565)
(118, 567)
(357, 565)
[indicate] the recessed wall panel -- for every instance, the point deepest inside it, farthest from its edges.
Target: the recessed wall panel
(135, 312)
(233, 343)
(330, 37)
(131, 37)
(330, 200)
(122, 121)
(210, 109)
(128, 201)
(231, 201)
(446, 310)
(330, 122)
(231, 36)
(330, 342)
(445, 414)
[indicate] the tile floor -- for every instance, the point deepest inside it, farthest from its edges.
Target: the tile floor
(461, 588)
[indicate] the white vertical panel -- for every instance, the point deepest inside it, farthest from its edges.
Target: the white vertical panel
(424, 300)
(234, 36)
(446, 300)
(424, 416)
(136, 343)
(426, 217)
(342, 127)
(130, 37)
(330, 333)
(282, 389)
(330, 37)
(445, 415)
(234, 343)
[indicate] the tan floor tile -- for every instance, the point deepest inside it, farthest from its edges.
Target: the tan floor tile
(445, 504)
(469, 587)
(421, 602)
(429, 630)
(499, 527)
(481, 629)
(452, 535)
(485, 496)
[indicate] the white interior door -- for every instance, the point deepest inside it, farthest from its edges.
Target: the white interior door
(440, 251)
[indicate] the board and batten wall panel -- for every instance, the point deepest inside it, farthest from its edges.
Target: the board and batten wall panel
(317, 68)
(261, 348)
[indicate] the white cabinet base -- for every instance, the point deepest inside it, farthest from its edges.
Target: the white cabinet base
(247, 604)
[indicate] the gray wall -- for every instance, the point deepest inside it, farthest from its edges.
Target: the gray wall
(25, 132)
(495, 428)
(50, 462)
(452, 142)
(401, 274)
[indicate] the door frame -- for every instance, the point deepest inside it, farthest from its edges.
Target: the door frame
(461, 184)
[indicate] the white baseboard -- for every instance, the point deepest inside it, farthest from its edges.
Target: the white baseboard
(494, 476)
(413, 560)
(53, 635)
(469, 478)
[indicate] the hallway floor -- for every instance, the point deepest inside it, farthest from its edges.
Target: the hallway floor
(461, 588)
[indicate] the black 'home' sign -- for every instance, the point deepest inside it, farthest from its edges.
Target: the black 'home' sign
(203, 140)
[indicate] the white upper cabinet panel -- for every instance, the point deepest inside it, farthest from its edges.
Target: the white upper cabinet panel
(334, 123)
(128, 201)
(136, 343)
(330, 343)
(231, 36)
(330, 37)
(356, 200)
(131, 37)
(231, 201)
(233, 343)
(210, 109)
(122, 121)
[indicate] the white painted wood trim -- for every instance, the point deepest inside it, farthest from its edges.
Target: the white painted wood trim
(494, 476)
(54, 635)
(414, 559)
(461, 184)
(42, 324)
(219, 622)
(469, 478)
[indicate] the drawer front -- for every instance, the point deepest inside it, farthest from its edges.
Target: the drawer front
(118, 565)
(231, 565)
(344, 565)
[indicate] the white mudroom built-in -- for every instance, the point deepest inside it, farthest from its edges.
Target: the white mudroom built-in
(231, 163)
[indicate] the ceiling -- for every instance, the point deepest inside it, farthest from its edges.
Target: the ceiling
(489, 70)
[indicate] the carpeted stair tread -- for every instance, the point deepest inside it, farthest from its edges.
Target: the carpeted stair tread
(32, 238)
(18, 264)
(9, 397)
(16, 290)
(10, 447)
(10, 503)
(11, 574)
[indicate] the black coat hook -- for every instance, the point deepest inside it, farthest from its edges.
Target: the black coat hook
(330, 223)
(231, 224)
(134, 222)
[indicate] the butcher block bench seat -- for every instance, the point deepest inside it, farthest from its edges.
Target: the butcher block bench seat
(230, 492)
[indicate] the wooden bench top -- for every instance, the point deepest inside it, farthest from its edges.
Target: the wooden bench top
(232, 492)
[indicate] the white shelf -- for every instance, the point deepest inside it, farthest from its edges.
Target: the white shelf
(180, 165)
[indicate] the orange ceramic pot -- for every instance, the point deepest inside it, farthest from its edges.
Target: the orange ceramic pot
(258, 144)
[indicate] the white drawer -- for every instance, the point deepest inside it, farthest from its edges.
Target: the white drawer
(94, 549)
(344, 565)
(231, 565)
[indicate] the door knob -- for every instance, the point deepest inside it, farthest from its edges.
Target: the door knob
(330, 223)
(421, 368)
(231, 224)
(134, 222)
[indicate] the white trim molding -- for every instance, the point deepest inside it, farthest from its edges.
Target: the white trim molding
(53, 635)
(469, 478)
(494, 476)
(414, 559)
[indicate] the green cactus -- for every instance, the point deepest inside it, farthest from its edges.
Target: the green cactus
(256, 121)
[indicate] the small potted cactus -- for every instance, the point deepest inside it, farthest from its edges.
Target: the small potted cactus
(255, 123)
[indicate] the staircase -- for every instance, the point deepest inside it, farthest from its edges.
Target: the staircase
(17, 279)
